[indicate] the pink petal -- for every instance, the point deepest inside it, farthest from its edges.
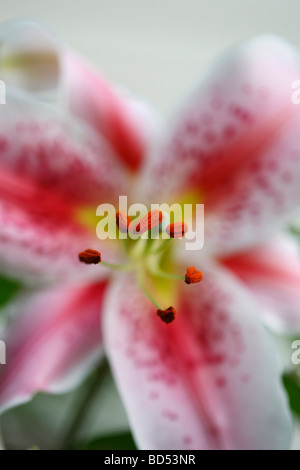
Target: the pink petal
(32, 58)
(209, 380)
(272, 273)
(230, 117)
(40, 143)
(40, 237)
(37, 248)
(53, 343)
(123, 122)
(236, 144)
(48, 172)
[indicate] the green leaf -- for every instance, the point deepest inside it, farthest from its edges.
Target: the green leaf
(292, 386)
(294, 231)
(8, 289)
(122, 441)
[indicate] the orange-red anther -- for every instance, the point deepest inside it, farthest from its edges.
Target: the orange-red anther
(151, 220)
(90, 257)
(193, 276)
(123, 221)
(176, 230)
(168, 315)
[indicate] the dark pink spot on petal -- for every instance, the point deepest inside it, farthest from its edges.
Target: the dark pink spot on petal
(217, 102)
(221, 382)
(187, 440)
(247, 88)
(234, 361)
(287, 177)
(209, 137)
(170, 415)
(206, 119)
(245, 378)
(154, 395)
(229, 131)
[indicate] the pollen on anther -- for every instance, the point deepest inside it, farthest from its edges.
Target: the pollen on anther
(168, 315)
(123, 221)
(90, 256)
(151, 220)
(193, 276)
(176, 230)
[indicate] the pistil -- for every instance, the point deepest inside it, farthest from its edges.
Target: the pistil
(145, 255)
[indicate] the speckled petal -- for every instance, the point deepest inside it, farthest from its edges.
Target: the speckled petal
(272, 273)
(53, 343)
(234, 146)
(209, 380)
(54, 150)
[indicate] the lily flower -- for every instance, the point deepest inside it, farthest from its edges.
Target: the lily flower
(208, 375)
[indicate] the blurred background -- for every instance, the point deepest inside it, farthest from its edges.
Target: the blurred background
(158, 49)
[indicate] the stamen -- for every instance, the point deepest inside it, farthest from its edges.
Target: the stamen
(193, 276)
(147, 293)
(157, 271)
(151, 220)
(90, 256)
(168, 315)
(176, 230)
(123, 221)
(94, 257)
(117, 267)
(162, 245)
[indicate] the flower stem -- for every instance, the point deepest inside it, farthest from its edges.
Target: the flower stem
(84, 403)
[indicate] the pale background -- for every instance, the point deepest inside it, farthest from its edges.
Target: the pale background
(158, 48)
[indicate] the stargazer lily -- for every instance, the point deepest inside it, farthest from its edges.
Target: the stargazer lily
(208, 375)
